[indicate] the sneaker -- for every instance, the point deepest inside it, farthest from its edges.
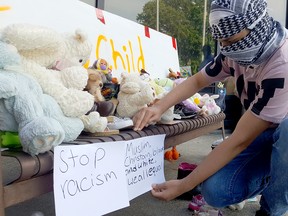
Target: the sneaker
(184, 112)
(120, 123)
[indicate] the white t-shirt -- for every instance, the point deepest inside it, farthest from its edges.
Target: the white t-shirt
(263, 89)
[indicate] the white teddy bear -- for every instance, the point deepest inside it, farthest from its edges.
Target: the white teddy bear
(133, 95)
(56, 61)
(24, 108)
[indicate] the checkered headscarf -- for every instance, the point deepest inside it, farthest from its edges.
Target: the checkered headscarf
(229, 17)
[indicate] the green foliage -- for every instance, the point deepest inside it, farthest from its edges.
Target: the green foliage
(182, 20)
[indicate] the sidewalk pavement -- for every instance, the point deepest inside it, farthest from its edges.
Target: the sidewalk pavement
(145, 205)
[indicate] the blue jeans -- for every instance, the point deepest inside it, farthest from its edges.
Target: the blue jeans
(262, 168)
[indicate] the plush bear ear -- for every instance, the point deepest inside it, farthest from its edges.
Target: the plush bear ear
(80, 36)
(124, 75)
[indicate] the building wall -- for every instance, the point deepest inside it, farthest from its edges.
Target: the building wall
(90, 2)
(278, 10)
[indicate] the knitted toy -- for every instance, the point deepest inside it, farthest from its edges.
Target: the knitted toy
(25, 110)
(133, 95)
(55, 60)
(102, 66)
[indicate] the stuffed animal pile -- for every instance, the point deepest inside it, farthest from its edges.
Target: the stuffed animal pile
(56, 61)
(25, 109)
(47, 96)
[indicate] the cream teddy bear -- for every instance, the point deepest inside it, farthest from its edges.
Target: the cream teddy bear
(55, 60)
(133, 95)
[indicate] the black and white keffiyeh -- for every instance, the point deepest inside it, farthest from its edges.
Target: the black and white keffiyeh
(229, 17)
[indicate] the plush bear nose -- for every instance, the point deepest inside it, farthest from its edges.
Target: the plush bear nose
(100, 85)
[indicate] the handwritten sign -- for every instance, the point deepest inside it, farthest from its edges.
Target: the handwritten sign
(89, 180)
(144, 162)
(99, 178)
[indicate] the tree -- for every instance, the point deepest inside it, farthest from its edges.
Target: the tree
(182, 20)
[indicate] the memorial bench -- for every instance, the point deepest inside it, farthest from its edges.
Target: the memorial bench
(23, 177)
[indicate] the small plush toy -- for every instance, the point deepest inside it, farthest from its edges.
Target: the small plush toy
(173, 75)
(210, 107)
(24, 109)
(95, 84)
(145, 76)
(221, 91)
(56, 61)
(166, 83)
(189, 103)
(94, 87)
(110, 84)
(133, 95)
(102, 66)
(172, 154)
(9, 139)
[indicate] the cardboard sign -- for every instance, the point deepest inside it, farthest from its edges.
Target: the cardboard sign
(99, 178)
(144, 164)
(89, 180)
(126, 45)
